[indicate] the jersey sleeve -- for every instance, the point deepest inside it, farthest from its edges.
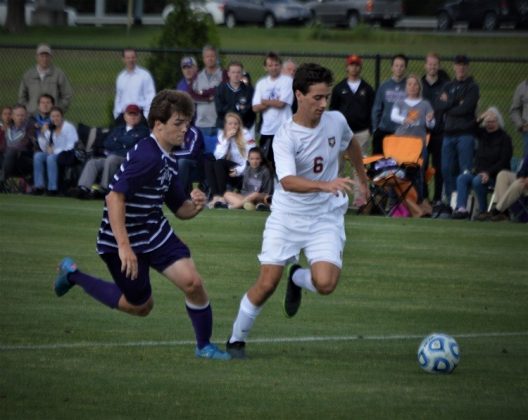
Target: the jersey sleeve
(284, 154)
(346, 131)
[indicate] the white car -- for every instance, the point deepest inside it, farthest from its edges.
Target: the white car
(30, 8)
(212, 8)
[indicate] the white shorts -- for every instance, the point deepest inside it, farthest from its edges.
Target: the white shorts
(322, 238)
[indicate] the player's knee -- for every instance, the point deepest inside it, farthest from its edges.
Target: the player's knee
(192, 284)
(144, 309)
(324, 286)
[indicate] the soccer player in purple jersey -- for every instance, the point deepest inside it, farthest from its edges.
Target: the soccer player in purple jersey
(135, 235)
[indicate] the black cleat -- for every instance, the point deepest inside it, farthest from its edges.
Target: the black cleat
(292, 301)
(237, 350)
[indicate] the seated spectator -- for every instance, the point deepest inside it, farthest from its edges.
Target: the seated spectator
(509, 187)
(116, 146)
(18, 150)
(58, 137)
(5, 121)
(230, 156)
(257, 184)
(494, 152)
(190, 158)
(42, 116)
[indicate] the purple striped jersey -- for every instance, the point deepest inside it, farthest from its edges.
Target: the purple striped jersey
(148, 179)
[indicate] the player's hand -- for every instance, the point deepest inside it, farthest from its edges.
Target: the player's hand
(198, 198)
(129, 264)
(340, 185)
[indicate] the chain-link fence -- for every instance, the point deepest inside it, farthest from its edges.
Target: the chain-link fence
(92, 73)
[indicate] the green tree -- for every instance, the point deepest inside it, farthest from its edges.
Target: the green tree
(183, 30)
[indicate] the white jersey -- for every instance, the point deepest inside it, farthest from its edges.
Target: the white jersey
(311, 153)
(281, 89)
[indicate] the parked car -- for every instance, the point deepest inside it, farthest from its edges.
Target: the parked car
(350, 13)
(212, 8)
(265, 12)
(485, 14)
(71, 15)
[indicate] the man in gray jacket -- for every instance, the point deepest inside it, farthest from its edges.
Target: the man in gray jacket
(519, 112)
(44, 78)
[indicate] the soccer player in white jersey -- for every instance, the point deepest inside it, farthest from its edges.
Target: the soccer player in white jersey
(309, 203)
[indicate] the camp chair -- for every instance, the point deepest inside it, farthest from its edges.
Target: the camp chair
(393, 175)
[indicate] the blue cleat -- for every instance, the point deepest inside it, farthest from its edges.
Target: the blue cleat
(211, 351)
(62, 284)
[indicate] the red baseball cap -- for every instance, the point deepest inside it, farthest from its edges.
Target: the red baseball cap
(132, 109)
(354, 59)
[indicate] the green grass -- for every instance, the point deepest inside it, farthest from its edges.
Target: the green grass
(73, 358)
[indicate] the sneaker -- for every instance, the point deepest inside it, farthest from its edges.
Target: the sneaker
(220, 205)
(460, 214)
(292, 300)
(483, 216)
(62, 284)
(249, 206)
(499, 217)
(237, 350)
(211, 351)
(262, 207)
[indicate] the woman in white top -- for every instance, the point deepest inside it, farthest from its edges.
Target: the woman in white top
(58, 137)
(231, 153)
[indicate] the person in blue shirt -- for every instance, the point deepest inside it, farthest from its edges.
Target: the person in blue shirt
(135, 235)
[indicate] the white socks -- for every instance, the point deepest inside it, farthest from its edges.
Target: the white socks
(245, 319)
(303, 278)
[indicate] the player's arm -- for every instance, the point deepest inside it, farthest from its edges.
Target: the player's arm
(193, 206)
(115, 203)
(356, 158)
(299, 184)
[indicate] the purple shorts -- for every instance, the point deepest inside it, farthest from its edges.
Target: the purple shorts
(138, 291)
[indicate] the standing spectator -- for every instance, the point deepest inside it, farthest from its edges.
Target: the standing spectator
(389, 92)
(189, 69)
(42, 117)
(289, 67)
(190, 158)
(116, 144)
(19, 139)
(458, 101)
(134, 85)
(433, 82)
(519, 112)
(57, 137)
(494, 153)
(203, 92)
(354, 97)
(44, 78)
(273, 98)
(235, 96)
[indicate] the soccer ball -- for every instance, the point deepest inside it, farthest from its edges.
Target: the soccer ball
(438, 353)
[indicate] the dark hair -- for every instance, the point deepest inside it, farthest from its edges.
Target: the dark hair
(258, 150)
(47, 95)
(310, 74)
(166, 103)
(272, 56)
(235, 63)
(400, 56)
(57, 108)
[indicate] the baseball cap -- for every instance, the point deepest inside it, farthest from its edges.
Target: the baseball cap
(44, 49)
(354, 59)
(461, 59)
(188, 62)
(132, 109)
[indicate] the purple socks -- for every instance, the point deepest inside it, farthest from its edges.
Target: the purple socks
(202, 321)
(106, 293)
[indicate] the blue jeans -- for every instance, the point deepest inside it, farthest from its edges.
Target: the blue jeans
(457, 157)
(45, 166)
(466, 182)
(188, 171)
(210, 135)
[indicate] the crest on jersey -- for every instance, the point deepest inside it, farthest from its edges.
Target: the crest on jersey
(331, 141)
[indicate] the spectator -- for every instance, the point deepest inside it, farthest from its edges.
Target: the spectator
(354, 98)
(44, 78)
(458, 101)
(190, 158)
(519, 112)
(433, 82)
(134, 85)
(189, 70)
(494, 152)
(289, 67)
(510, 186)
(273, 98)
(42, 116)
(231, 153)
(5, 122)
(116, 145)
(57, 137)
(389, 92)
(19, 141)
(257, 184)
(203, 92)
(235, 96)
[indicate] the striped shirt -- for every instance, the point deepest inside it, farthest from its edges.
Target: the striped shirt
(148, 179)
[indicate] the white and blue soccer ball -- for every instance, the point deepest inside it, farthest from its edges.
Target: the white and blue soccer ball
(438, 353)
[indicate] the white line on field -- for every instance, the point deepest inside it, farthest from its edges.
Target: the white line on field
(176, 343)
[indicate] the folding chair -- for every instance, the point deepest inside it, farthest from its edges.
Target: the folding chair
(394, 174)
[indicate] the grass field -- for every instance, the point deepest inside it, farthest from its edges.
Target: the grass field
(350, 355)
